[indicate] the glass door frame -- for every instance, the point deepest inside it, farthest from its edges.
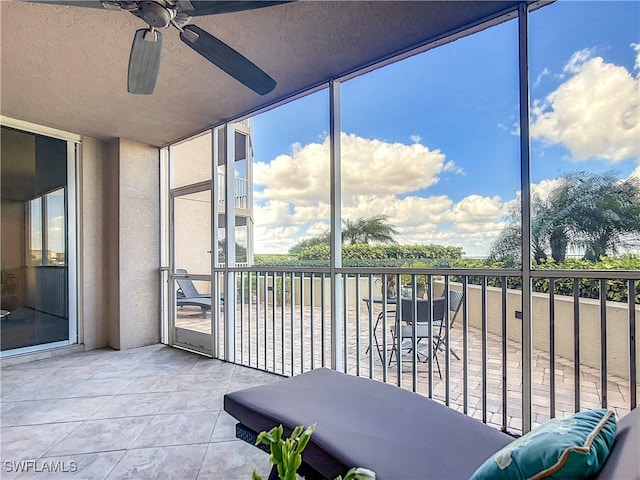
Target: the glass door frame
(220, 278)
(72, 213)
(178, 336)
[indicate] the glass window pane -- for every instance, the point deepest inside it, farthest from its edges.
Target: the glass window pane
(35, 231)
(56, 228)
(585, 126)
(291, 183)
(191, 161)
(430, 152)
(192, 227)
(35, 276)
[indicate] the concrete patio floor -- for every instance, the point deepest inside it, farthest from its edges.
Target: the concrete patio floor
(147, 413)
(262, 349)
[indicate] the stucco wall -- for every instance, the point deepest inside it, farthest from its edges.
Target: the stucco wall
(139, 244)
(95, 293)
(617, 326)
(120, 238)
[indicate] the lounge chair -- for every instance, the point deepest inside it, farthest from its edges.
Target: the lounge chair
(188, 295)
(186, 288)
(394, 432)
(203, 302)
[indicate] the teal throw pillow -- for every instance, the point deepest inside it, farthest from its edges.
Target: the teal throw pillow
(572, 447)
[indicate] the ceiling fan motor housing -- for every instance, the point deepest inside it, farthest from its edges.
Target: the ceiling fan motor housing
(154, 14)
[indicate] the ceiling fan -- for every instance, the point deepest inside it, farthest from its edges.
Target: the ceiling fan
(146, 50)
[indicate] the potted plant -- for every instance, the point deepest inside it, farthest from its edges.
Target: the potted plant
(286, 454)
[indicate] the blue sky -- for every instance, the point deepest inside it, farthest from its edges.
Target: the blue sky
(432, 141)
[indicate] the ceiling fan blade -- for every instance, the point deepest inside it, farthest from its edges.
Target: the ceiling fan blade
(144, 62)
(228, 59)
(205, 7)
(79, 3)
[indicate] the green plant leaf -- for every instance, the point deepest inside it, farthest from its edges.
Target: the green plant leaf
(255, 476)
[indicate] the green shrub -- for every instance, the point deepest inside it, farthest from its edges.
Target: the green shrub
(616, 289)
(395, 254)
(437, 256)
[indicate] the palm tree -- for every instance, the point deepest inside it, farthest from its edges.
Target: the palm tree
(605, 211)
(376, 229)
(369, 229)
(598, 212)
(352, 231)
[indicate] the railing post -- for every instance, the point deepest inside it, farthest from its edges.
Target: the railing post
(230, 246)
(217, 195)
(525, 184)
(337, 339)
(633, 374)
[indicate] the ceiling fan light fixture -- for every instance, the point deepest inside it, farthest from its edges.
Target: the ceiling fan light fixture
(154, 14)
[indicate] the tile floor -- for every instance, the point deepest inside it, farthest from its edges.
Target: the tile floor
(147, 413)
(156, 412)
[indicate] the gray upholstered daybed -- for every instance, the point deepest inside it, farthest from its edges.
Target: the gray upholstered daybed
(396, 433)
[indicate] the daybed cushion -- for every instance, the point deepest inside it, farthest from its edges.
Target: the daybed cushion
(571, 447)
(624, 459)
(365, 423)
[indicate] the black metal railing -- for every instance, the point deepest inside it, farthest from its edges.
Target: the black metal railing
(583, 350)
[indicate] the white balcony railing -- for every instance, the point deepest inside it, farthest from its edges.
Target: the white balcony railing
(241, 189)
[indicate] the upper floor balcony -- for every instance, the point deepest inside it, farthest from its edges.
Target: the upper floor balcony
(240, 195)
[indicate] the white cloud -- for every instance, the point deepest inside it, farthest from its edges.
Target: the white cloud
(595, 113)
(475, 209)
(311, 213)
(275, 239)
(317, 228)
(539, 78)
(369, 167)
(378, 178)
(450, 166)
(274, 212)
(577, 60)
(544, 188)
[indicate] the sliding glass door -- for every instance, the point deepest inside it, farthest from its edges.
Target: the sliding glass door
(38, 242)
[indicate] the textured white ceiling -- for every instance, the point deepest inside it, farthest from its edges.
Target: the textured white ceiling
(66, 67)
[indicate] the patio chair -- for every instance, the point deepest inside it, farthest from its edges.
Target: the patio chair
(388, 310)
(203, 302)
(405, 325)
(455, 302)
(188, 295)
(186, 288)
